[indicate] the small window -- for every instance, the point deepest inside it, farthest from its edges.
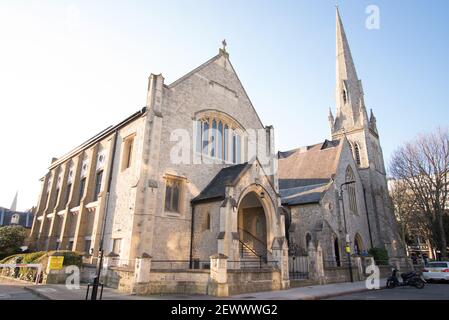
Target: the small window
(128, 152)
(15, 218)
(57, 195)
(117, 246)
(67, 194)
(81, 190)
(345, 96)
(172, 194)
(98, 181)
(357, 154)
(87, 244)
(207, 221)
(308, 240)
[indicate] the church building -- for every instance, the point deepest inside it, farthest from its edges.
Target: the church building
(336, 190)
(195, 174)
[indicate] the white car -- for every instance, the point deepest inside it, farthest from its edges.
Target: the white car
(437, 270)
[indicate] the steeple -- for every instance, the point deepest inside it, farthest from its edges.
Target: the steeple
(349, 93)
(14, 202)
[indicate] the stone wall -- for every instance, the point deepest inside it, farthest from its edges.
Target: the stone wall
(341, 274)
(119, 278)
(247, 280)
(175, 282)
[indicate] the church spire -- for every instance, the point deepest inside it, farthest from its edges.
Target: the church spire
(349, 92)
(345, 64)
(14, 202)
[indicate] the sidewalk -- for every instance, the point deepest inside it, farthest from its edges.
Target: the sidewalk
(317, 292)
(60, 292)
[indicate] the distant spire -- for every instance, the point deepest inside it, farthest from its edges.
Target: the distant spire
(14, 202)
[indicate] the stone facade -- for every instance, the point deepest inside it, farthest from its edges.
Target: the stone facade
(116, 185)
(188, 178)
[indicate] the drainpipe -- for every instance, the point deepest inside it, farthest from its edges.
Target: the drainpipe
(367, 219)
(191, 237)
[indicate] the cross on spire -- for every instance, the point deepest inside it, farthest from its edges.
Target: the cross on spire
(224, 45)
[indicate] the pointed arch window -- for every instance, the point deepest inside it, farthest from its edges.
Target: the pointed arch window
(351, 189)
(308, 240)
(345, 96)
(357, 154)
(207, 221)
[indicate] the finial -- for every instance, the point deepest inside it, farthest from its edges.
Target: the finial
(222, 50)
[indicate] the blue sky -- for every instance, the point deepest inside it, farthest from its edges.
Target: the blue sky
(71, 68)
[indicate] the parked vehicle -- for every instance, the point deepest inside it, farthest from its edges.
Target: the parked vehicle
(413, 279)
(436, 271)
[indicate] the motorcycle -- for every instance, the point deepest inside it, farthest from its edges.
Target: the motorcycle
(413, 279)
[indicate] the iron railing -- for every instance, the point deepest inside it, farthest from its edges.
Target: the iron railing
(252, 264)
(298, 267)
(179, 264)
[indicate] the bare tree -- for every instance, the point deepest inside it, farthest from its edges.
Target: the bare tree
(410, 219)
(423, 165)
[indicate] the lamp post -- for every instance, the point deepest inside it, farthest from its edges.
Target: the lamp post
(347, 240)
(96, 282)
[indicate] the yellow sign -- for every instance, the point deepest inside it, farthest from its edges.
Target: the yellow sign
(348, 249)
(55, 262)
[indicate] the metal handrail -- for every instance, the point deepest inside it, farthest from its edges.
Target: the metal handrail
(253, 236)
(261, 246)
(249, 248)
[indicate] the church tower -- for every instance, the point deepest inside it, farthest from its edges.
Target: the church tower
(351, 120)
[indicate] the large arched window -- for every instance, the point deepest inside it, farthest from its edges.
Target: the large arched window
(219, 136)
(352, 194)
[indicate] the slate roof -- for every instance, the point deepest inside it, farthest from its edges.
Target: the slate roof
(25, 218)
(216, 189)
(303, 195)
(306, 173)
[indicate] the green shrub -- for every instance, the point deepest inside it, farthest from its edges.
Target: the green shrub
(380, 255)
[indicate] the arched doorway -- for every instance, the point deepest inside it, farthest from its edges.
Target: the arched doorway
(337, 252)
(358, 244)
(252, 227)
